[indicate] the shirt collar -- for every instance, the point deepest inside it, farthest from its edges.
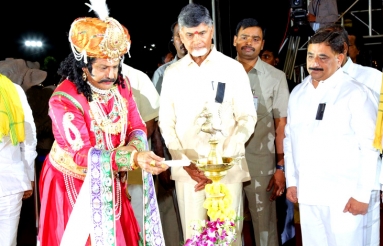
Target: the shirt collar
(331, 82)
(348, 64)
(259, 65)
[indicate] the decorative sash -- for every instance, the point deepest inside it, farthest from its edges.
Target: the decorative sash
(94, 207)
(152, 231)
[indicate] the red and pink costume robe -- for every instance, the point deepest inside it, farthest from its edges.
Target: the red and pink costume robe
(79, 142)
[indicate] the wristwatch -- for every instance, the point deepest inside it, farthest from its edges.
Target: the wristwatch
(279, 167)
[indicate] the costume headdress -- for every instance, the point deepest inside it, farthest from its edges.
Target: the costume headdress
(102, 37)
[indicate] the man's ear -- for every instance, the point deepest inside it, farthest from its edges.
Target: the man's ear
(235, 40)
(345, 48)
(341, 57)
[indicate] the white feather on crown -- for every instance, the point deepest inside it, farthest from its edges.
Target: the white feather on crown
(100, 8)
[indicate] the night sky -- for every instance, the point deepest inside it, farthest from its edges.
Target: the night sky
(148, 22)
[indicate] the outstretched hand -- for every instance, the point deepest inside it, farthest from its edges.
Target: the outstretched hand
(197, 176)
(150, 162)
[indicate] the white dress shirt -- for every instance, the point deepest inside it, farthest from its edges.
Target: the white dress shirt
(17, 163)
(330, 160)
(372, 78)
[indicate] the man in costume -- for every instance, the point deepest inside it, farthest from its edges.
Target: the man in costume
(99, 136)
(205, 82)
(329, 157)
(17, 155)
(270, 96)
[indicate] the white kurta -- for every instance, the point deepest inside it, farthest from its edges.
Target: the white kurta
(189, 89)
(372, 78)
(330, 160)
(17, 170)
(17, 163)
(186, 90)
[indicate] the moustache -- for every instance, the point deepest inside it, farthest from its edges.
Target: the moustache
(247, 47)
(316, 69)
(107, 81)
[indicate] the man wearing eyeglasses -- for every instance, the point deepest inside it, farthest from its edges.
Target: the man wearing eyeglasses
(203, 81)
(264, 150)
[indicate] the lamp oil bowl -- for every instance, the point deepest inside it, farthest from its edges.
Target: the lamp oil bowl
(216, 171)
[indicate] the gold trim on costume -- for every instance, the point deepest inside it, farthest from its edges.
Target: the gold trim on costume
(63, 161)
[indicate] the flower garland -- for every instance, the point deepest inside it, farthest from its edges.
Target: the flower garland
(218, 202)
(218, 232)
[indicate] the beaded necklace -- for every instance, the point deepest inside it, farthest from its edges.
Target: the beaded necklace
(107, 122)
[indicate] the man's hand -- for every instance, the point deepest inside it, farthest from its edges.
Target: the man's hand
(291, 194)
(28, 193)
(278, 182)
(197, 176)
(355, 207)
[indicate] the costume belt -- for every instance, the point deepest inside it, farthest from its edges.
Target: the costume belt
(62, 160)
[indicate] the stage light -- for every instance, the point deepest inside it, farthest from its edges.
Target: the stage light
(33, 43)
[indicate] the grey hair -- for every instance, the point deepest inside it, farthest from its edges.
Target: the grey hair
(192, 15)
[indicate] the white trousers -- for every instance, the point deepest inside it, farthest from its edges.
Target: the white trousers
(190, 204)
(10, 207)
(329, 226)
(371, 221)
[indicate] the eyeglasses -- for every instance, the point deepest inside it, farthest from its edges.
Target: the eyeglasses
(201, 35)
(244, 37)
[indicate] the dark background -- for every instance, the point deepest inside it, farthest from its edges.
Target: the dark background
(149, 23)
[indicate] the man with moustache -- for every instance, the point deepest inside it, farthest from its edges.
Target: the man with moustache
(372, 78)
(99, 136)
(158, 75)
(264, 149)
(329, 158)
(205, 82)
